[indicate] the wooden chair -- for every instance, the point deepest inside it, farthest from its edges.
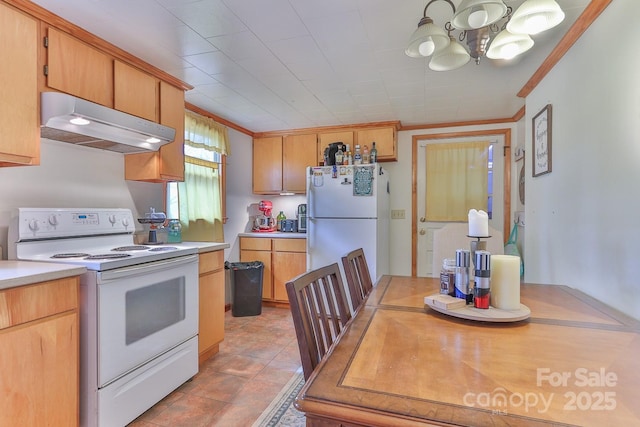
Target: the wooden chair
(358, 278)
(320, 312)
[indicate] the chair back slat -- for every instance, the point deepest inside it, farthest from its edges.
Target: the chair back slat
(358, 277)
(319, 311)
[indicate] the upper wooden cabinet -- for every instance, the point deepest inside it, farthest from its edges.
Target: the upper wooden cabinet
(135, 92)
(167, 164)
(20, 130)
(76, 68)
(267, 165)
(280, 163)
(326, 138)
(299, 152)
(385, 139)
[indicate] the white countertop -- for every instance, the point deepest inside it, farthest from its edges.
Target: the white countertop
(275, 234)
(204, 246)
(20, 273)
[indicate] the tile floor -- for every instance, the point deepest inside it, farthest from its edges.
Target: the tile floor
(257, 358)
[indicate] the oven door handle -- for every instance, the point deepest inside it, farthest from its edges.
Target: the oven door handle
(151, 267)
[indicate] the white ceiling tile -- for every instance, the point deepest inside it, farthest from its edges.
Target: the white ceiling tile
(291, 63)
(272, 20)
(240, 45)
(208, 18)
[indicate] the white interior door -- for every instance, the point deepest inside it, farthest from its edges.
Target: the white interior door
(425, 229)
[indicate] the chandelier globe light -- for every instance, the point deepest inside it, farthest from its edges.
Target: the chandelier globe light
(450, 58)
(507, 45)
(535, 16)
(487, 28)
(474, 14)
(426, 39)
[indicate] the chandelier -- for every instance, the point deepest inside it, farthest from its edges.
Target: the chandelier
(478, 21)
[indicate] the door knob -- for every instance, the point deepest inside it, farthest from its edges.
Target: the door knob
(422, 231)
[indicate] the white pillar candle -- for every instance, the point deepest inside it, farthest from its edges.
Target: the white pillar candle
(505, 282)
(478, 223)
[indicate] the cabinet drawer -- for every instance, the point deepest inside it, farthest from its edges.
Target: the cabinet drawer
(255, 243)
(210, 261)
(26, 303)
(290, 245)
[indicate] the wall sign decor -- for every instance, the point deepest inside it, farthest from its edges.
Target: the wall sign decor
(541, 141)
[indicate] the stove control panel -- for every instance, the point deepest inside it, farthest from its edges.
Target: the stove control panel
(43, 223)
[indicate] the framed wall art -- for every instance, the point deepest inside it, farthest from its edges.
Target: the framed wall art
(541, 141)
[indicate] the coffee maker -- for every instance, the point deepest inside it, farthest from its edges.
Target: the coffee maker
(330, 153)
(264, 222)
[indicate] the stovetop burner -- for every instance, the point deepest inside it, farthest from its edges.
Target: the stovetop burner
(131, 248)
(108, 256)
(163, 248)
(70, 255)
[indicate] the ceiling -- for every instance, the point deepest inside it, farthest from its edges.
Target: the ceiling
(288, 64)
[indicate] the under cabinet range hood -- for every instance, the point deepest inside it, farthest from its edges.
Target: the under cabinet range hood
(69, 119)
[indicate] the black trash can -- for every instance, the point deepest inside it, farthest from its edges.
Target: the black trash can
(246, 287)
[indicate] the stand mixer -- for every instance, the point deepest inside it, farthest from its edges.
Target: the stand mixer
(264, 222)
(154, 219)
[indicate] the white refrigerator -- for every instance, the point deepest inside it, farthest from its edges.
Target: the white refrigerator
(348, 208)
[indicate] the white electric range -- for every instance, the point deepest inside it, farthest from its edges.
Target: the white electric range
(138, 311)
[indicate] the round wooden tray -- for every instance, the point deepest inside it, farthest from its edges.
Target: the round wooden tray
(491, 314)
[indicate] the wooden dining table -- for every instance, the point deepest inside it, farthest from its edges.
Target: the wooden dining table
(574, 362)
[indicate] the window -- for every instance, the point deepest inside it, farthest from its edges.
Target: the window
(458, 179)
(199, 201)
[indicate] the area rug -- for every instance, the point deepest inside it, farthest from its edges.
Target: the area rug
(281, 412)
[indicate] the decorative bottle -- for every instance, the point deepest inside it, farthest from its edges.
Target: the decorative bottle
(365, 155)
(374, 152)
(281, 217)
(357, 157)
(175, 231)
(339, 155)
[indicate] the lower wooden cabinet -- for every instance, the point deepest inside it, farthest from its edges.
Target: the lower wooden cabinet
(211, 303)
(39, 361)
(283, 258)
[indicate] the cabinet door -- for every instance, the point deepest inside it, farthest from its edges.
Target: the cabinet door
(299, 151)
(267, 165)
(20, 136)
(167, 164)
(265, 257)
(135, 92)
(324, 139)
(286, 266)
(385, 139)
(39, 372)
(211, 316)
(78, 69)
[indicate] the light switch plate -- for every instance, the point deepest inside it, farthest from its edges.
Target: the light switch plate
(397, 213)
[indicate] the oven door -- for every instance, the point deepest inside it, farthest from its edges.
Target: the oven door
(144, 311)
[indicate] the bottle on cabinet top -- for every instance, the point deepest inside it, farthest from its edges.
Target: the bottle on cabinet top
(339, 155)
(374, 152)
(366, 158)
(357, 157)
